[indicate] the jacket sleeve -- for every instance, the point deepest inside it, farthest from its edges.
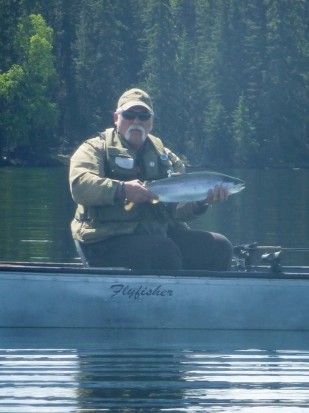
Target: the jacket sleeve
(189, 211)
(88, 184)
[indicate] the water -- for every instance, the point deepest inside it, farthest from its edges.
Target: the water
(60, 370)
(36, 209)
(147, 371)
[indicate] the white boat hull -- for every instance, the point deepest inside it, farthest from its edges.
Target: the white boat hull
(89, 299)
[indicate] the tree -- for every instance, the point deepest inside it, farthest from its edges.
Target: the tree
(30, 115)
(284, 99)
(214, 89)
(106, 59)
(245, 149)
(187, 126)
(160, 78)
(63, 17)
(12, 121)
(9, 17)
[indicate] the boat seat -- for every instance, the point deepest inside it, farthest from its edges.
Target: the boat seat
(81, 254)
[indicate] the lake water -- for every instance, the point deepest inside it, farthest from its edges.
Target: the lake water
(60, 370)
(150, 371)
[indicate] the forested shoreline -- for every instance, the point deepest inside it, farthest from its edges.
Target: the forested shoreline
(229, 78)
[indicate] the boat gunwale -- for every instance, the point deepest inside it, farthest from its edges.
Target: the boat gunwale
(67, 269)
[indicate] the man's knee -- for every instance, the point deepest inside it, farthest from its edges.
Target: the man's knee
(223, 252)
(165, 254)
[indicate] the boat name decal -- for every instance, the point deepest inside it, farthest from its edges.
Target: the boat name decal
(138, 292)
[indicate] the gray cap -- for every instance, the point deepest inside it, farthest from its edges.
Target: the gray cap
(135, 97)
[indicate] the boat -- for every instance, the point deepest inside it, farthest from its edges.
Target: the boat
(248, 297)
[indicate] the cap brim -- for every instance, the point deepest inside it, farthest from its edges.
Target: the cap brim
(132, 103)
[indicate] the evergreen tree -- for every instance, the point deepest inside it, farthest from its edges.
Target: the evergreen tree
(245, 146)
(160, 78)
(9, 17)
(284, 100)
(105, 63)
(247, 142)
(184, 20)
(214, 138)
(63, 17)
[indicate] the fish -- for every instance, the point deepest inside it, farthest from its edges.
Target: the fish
(192, 186)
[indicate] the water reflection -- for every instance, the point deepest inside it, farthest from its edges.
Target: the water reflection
(36, 209)
(151, 371)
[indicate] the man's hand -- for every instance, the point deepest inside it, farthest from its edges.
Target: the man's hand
(136, 192)
(217, 195)
(214, 196)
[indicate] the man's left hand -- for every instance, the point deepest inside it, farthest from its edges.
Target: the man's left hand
(217, 195)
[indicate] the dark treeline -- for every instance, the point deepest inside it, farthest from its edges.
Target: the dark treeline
(229, 78)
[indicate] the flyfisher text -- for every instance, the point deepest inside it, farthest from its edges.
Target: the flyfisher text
(140, 291)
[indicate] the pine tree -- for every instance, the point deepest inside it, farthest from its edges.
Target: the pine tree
(214, 137)
(184, 22)
(245, 146)
(9, 17)
(284, 100)
(160, 78)
(105, 61)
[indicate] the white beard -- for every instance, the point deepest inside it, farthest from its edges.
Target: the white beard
(132, 128)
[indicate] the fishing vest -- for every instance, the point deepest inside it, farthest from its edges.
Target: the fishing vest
(122, 163)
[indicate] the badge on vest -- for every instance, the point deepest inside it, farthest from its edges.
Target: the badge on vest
(124, 162)
(164, 157)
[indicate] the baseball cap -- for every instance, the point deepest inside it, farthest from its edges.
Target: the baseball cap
(135, 97)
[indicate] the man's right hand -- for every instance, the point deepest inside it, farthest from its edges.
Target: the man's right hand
(136, 192)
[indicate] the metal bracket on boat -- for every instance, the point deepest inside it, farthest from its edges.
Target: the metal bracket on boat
(245, 255)
(273, 258)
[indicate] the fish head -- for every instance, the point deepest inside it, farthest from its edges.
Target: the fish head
(234, 185)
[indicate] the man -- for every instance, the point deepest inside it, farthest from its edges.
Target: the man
(117, 222)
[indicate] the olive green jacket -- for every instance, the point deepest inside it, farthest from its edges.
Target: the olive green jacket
(95, 171)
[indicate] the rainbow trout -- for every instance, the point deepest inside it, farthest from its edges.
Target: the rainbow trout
(192, 186)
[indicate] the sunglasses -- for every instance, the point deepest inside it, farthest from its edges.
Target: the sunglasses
(130, 115)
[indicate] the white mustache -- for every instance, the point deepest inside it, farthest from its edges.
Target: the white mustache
(132, 128)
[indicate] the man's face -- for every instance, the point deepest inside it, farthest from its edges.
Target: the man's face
(134, 130)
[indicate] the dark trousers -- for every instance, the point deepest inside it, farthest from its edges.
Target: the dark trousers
(181, 249)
